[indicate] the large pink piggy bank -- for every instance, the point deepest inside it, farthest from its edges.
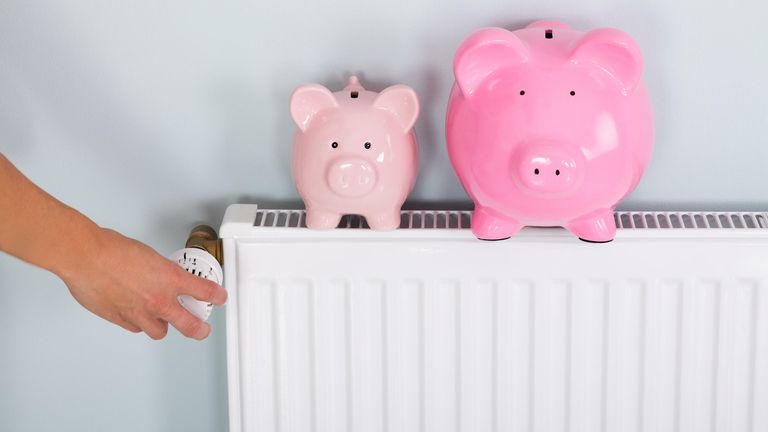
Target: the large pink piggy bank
(354, 153)
(548, 126)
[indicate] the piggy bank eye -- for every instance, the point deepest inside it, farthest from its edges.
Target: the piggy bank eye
(573, 93)
(367, 145)
(334, 144)
(522, 92)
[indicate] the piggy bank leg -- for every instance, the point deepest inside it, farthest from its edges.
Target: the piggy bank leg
(322, 219)
(386, 221)
(597, 227)
(489, 226)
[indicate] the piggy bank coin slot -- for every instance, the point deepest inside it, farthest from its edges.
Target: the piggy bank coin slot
(354, 95)
(548, 34)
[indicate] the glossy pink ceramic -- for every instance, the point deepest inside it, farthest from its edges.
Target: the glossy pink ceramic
(548, 126)
(354, 152)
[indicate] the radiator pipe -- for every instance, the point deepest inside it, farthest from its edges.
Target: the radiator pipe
(205, 237)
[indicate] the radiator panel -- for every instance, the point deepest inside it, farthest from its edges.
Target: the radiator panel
(662, 330)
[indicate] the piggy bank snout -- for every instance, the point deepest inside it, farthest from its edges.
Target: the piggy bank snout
(351, 177)
(547, 169)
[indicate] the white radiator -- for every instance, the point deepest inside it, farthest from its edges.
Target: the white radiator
(428, 329)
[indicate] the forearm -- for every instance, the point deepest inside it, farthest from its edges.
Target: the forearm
(38, 228)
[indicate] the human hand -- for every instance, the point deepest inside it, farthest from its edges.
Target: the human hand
(126, 282)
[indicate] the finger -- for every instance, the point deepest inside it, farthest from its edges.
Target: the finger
(153, 327)
(203, 289)
(123, 321)
(186, 323)
(128, 326)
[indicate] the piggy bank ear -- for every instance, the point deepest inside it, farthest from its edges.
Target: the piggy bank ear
(400, 101)
(485, 52)
(307, 101)
(613, 51)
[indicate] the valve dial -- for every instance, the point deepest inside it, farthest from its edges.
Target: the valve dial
(202, 264)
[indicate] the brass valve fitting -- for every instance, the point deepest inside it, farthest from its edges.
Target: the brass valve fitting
(204, 237)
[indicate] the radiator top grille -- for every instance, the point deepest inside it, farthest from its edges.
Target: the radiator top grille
(460, 219)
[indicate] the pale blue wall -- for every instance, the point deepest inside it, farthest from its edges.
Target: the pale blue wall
(118, 107)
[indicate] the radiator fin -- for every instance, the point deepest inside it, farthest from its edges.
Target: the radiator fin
(760, 360)
(445, 355)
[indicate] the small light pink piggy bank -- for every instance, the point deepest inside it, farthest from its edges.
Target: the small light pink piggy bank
(354, 153)
(548, 126)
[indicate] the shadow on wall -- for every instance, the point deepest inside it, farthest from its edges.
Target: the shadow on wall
(216, 209)
(272, 203)
(237, 105)
(194, 377)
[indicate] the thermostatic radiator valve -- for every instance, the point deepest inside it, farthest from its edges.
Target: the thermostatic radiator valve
(202, 257)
